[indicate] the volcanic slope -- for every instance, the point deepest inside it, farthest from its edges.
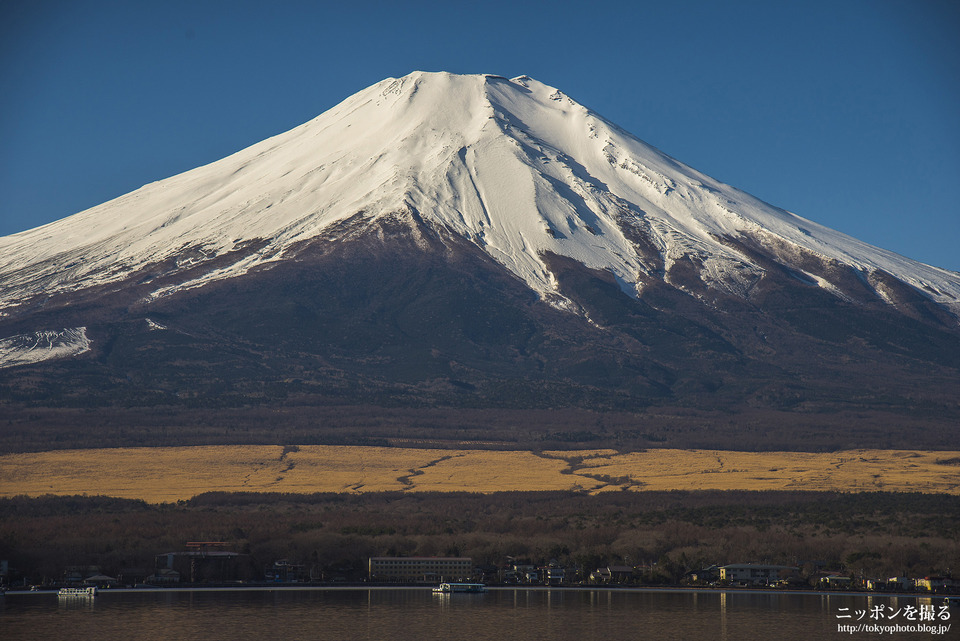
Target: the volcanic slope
(454, 247)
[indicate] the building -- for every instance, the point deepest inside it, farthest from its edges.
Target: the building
(524, 573)
(600, 575)
(420, 569)
(900, 584)
(133, 576)
(163, 576)
(203, 562)
(754, 573)
(876, 584)
(74, 575)
(834, 581)
(612, 574)
(283, 571)
(100, 581)
(554, 575)
(934, 583)
(705, 575)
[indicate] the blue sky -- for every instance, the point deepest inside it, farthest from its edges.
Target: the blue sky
(845, 112)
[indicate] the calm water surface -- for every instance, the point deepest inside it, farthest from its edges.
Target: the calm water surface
(419, 615)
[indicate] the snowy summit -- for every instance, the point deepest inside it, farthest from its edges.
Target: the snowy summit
(512, 165)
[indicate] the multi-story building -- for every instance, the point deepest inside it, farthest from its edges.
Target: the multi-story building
(420, 569)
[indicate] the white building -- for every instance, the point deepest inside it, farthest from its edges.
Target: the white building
(754, 573)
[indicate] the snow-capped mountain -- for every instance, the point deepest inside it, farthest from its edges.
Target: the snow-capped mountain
(473, 241)
(514, 166)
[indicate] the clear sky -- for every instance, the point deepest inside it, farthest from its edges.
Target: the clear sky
(846, 112)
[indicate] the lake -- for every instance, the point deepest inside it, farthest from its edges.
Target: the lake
(416, 614)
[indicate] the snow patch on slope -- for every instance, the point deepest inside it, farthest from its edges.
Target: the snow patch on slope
(24, 349)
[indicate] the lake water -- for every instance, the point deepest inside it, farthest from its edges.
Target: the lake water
(418, 615)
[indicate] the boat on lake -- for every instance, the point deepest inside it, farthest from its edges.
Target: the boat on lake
(451, 588)
(77, 592)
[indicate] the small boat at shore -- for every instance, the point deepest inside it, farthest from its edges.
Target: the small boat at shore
(456, 588)
(77, 592)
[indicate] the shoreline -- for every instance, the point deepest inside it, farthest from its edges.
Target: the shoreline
(303, 587)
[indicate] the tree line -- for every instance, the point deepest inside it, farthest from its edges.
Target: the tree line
(869, 534)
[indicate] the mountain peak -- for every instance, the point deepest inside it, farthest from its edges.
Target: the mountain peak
(514, 166)
(477, 242)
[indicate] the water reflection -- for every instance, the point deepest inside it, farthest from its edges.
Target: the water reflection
(417, 614)
(723, 616)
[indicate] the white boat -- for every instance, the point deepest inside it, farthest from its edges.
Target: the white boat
(450, 588)
(78, 592)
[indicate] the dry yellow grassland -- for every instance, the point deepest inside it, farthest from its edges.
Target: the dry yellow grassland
(169, 474)
(847, 471)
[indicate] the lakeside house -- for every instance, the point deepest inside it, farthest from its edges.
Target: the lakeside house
(163, 576)
(836, 581)
(900, 584)
(283, 571)
(755, 573)
(707, 575)
(613, 574)
(935, 584)
(554, 575)
(100, 581)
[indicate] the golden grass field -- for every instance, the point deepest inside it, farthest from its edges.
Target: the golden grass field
(159, 475)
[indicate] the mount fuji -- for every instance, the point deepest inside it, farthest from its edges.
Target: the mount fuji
(454, 257)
